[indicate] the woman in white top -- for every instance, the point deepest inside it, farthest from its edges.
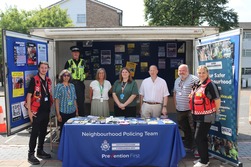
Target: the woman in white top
(99, 97)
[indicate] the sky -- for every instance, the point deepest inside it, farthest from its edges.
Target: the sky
(133, 10)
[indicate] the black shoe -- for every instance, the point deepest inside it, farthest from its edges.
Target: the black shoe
(33, 160)
(43, 155)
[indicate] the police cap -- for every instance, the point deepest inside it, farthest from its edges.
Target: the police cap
(75, 49)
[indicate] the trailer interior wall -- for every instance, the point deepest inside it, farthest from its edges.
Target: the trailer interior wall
(63, 54)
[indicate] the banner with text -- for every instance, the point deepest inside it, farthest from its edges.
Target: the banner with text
(221, 56)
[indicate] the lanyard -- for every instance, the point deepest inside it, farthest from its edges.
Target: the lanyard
(101, 88)
(68, 92)
(44, 87)
(123, 85)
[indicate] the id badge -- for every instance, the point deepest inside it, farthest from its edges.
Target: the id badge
(122, 96)
(101, 99)
(70, 102)
(46, 99)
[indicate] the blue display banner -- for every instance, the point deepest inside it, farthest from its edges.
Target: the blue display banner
(120, 145)
(22, 53)
(221, 56)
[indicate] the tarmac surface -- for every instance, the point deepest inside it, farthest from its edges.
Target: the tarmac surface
(14, 148)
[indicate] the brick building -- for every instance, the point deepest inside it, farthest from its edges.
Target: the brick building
(91, 13)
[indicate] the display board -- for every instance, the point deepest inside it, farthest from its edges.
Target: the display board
(221, 54)
(22, 53)
(138, 56)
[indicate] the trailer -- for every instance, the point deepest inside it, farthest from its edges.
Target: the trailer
(138, 47)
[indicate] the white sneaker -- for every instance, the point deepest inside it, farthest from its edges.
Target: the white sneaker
(198, 164)
(194, 162)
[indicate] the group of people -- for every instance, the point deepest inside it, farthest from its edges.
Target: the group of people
(195, 98)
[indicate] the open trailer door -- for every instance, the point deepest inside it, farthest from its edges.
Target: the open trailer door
(22, 53)
(221, 53)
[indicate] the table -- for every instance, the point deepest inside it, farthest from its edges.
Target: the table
(120, 145)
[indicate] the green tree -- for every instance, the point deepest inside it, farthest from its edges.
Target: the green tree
(190, 13)
(21, 20)
(50, 17)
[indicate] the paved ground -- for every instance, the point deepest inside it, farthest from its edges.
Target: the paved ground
(14, 149)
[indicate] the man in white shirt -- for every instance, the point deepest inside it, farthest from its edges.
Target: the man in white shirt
(153, 95)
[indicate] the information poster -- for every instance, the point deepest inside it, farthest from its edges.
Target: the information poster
(17, 84)
(221, 56)
(132, 67)
(31, 54)
(19, 53)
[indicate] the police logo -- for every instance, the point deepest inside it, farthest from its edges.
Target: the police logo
(105, 146)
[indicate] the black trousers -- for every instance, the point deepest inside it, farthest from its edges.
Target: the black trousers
(128, 112)
(65, 118)
(183, 121)
(39, 130)
(202, 129)
(80, 92)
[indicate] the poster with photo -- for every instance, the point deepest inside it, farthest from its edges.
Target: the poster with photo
(161, 51)
(118, 59)
(106, 57)
(28, 75)
(19, 54)
(162, 63)
(24, 110)
(174, 63)
(17, 84)
(16, 112)
(134, 58)
(41, 53)
(130, 47)
(145, 49)
(119, 48)
(132, 67)
(171, 50)
(143, 66)
(118, 68)
(31, 54)
(181, 49)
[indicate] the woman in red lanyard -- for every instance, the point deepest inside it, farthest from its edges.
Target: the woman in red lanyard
(65, 99)
(99, 97)
(125, 91)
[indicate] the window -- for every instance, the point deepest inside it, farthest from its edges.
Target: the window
(246, 52)
(81, 18)
(247, 35)
(245, 71)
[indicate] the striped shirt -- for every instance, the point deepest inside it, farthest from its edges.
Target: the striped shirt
(182, 89)
(66, 96)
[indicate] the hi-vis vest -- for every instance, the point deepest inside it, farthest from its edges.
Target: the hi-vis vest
(200, 104)
(37, 95)
(77, 72)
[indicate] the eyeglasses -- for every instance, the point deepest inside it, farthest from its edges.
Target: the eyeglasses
(66, 75)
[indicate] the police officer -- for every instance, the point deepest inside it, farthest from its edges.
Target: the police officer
(77, 67)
